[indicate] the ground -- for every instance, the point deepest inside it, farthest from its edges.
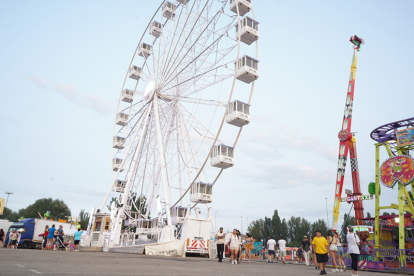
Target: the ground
(36, 262)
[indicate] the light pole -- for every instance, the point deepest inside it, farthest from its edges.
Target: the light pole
(215, 221)
(8, 193)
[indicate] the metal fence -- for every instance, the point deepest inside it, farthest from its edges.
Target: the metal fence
(382, 260)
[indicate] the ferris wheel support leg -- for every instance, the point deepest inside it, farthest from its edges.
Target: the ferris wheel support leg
(118, 222)
(184, 137)
(162, 159)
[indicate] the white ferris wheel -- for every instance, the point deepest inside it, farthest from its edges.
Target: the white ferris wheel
(191, 78)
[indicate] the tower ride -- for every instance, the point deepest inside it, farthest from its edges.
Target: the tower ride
(347, 143)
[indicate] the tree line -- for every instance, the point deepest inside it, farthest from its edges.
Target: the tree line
(56, 207)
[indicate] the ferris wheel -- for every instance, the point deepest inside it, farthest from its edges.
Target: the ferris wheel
(191, 78)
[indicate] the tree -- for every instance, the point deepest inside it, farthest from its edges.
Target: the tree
(84, 219)
(297, 228)
(58, 209)
(284, 231)
(276, 225)
(256, 229)
(320, 225)
(9, 215)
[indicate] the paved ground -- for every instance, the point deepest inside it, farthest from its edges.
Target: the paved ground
(36, 262)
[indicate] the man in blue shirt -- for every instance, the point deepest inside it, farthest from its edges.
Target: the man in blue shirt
(77, 235)
(50, 237)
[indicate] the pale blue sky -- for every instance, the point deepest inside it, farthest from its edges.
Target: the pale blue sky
(62, 65)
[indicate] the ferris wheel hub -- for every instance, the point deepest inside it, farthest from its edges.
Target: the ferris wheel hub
(150, 90)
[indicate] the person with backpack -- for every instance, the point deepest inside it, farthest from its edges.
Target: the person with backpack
(353, 249)
(306, 249)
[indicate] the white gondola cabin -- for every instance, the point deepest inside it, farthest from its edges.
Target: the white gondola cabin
(238, 113)
(248, 69)
(127, 96)
(184, 2)
(116, 165)
(201, 192)
(120, 186)
(119, 142)
(122, 119)
(155, 29)
(135, 72)
(244, 6)
(128, 206)
(178, 215)
(249, 30)
(145, 50)
(168, 10)
(222, 156)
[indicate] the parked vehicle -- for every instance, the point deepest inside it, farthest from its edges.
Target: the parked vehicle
(34, 228)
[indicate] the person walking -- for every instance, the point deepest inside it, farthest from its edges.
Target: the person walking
(220, 244)
(300, 254)
(340, 253)
(271, 243)
(306, 249)
(2, 236)
(333, 249)
(60, 231)
(45, 234)
(77, 237)
(249, 245)
(50, 236)
(234, 246)
(282, 249)
(353, 250)
(13, 238)
(321, 247)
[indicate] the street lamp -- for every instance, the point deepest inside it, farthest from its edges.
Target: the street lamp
(8, 193)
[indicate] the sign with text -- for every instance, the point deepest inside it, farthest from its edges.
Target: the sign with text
(405, 137)
(357, 198)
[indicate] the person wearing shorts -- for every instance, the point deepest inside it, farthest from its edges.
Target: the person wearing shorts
(50, 237)
(271, 244)
(13, 237)
(77, 236)
(321, 247)
(282, 249)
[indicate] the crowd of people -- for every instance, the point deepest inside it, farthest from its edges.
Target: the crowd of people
(316, 251)
(52, 238)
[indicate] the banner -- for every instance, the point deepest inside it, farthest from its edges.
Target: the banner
(405, 137)
(2, 204)
(399, 168)
(174, 248)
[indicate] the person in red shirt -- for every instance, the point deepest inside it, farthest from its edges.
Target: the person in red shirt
(45, 237)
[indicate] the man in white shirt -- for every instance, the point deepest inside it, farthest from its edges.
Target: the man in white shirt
(282, 249)
(220, 244)
(271, 243)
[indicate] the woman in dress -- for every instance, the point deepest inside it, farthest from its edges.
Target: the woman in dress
(333, 248)
(249, 245)
(234, 246)
(340, 253)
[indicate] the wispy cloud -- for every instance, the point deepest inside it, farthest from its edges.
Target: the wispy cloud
(8, 118)
(71, 93)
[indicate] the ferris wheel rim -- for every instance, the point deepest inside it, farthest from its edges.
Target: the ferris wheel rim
(201, 169)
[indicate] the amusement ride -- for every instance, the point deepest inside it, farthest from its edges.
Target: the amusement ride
(190, 79)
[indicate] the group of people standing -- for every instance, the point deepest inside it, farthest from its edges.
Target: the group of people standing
(236, 246)
(13, 240)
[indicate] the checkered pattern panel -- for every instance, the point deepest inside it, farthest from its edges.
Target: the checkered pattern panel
(354, 164)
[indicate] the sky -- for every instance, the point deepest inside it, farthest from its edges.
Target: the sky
(62, 67)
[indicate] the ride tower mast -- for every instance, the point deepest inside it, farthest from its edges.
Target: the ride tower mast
(347, 143)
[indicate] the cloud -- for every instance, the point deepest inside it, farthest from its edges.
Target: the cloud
(70, 93)
(4, 117)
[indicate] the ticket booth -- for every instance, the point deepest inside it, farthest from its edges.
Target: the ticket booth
(101, 225)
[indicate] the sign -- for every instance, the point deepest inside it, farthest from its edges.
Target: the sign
(357, 198)
(397, 169)
(343, 135)
(2, 204)
(405, 137)
(363, 228)
(173, 248)
(394, 222)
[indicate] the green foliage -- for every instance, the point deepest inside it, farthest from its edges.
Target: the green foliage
(284, 231)
(297, 228)
(9, 215)
(58, 209)
(256, 229)
(84, 219)
(347, 221)
(320, 224)
(276, 225)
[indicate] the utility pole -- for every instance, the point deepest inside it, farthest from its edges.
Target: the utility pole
(7, 200)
